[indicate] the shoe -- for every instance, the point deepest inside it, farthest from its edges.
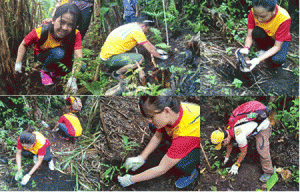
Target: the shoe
(46, 79)
(35, 159)
(51, 165)
(184, 181)
(64, 138)
(265, 177)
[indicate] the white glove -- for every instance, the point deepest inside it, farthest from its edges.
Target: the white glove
(253, 63)
(225, 160)
(134, 163)
(72, 84)
(25, 179)
(18, 67)
(234, 170)
(163, 54)
(244, 51)
(125, 181)
(19, 175)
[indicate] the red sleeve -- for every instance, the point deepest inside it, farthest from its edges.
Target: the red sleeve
(78, 41)
(42, 150)
(61, 119)
(283, 31)
(141, 43)
(159, 130)
(19, 145)
(181, 146)
(251, 21)
(31, 38)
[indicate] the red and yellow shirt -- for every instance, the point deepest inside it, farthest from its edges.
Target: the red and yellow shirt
(122, 39)
(34, 36)
(39, 147)
(72, 123)
(185, 133)
(278, 27)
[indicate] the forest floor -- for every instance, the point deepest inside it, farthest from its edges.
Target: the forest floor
(122, 117)
(218, 71)
(284, 151)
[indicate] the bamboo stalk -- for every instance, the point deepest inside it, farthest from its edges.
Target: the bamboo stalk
(167, 36)
(205, 156)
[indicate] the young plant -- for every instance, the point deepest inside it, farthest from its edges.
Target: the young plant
(237, 83)
(128, 145)
(212, 79)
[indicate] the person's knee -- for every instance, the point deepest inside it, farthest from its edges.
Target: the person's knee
(278, 59)
(258, 33)
(59, 53)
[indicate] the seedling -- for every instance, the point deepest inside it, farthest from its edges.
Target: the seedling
(128, 145)
(237, 83)
(33, 184)
(212, 79)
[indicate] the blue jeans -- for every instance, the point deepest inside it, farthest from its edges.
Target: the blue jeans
(130, 19)
(50, 59)
(47, 156)
(265, 42)
(64, 130)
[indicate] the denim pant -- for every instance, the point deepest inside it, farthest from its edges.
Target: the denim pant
(50, 59)
(265, 42)
(64, 130)
(29, 154)
(130, 19)
(186, 164)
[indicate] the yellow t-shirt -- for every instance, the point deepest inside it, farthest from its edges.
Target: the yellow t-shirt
(122, 39)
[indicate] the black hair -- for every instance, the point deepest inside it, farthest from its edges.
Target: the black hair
(27, 136)
(69, 40)
(269, 5)
(160, 103)
(66, 109)
(147, 21)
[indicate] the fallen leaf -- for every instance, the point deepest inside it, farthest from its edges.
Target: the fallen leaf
(286, 174)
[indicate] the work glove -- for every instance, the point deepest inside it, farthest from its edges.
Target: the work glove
(234, 169)
(252, 63)
(244, 51)
(134, 163)
(125, 181)
(72, 84)
(225, 160)
(163, 54)
(25, 179)
(18, 67)
(19, 175)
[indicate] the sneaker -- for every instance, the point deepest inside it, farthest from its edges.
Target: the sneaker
(265, 177)
(35, 159)
(51, 165)
(64, 138)
(184, 181)
(46, 79)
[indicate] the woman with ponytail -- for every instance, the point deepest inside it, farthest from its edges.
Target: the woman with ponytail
(32, 144)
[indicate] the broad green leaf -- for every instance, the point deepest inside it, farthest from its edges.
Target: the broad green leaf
(272, 181)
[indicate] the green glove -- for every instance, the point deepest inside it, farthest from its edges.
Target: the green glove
(19, 175)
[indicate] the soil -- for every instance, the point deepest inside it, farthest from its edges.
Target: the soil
(284, 153)
(263, 80)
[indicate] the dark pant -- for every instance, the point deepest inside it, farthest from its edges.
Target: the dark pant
(130, 19)
(28, 154)
(85, 20)
(265, 42)
(187, 164)
(50, 58)
(64, 130)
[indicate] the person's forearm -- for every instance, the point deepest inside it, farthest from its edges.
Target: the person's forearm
(21, 52)
(56, 126)
(148, 174)
(269, 53)
(242, 155)
(18, 160)
(248, 41)
(35, 167)
(228, 151)
(154, 142)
